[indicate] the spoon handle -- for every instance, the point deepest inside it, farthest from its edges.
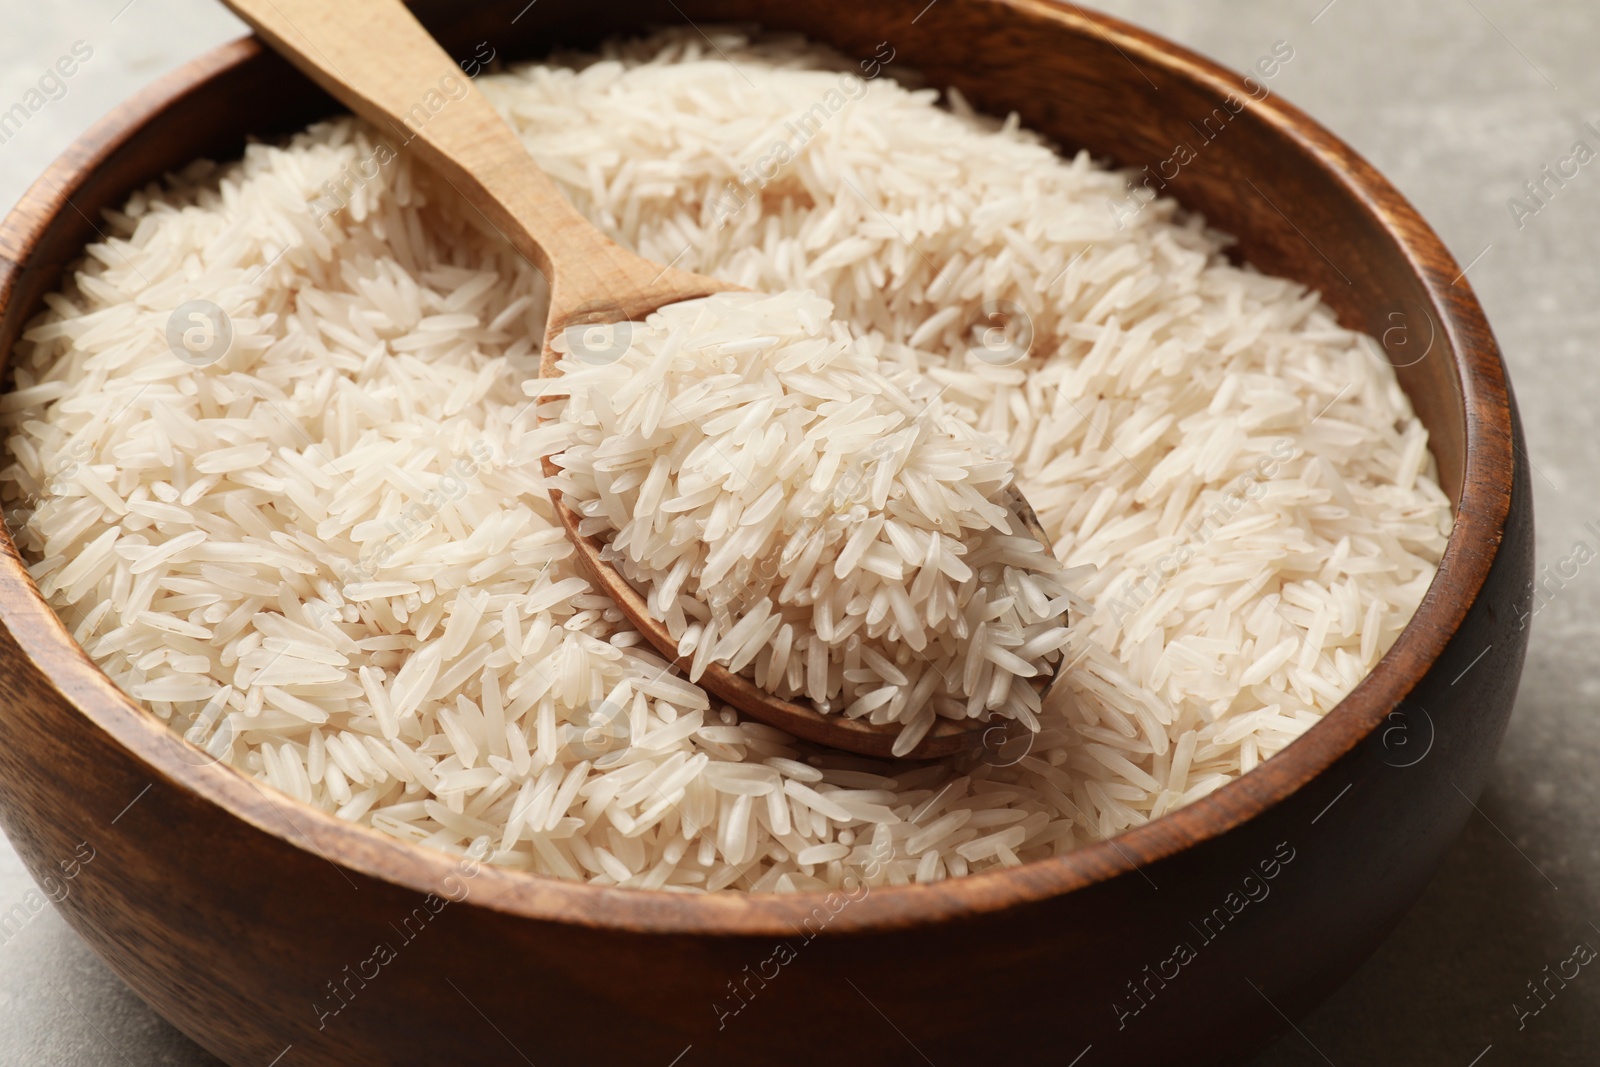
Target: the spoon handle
(378, 60)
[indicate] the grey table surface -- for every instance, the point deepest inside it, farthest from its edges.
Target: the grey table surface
(1458, 102)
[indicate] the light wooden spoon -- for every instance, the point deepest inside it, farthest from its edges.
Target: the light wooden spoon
(373, 56)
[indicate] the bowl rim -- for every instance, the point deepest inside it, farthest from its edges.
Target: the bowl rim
(1481, 514)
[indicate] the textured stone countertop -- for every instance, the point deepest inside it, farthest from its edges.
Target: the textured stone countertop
(1458, 102)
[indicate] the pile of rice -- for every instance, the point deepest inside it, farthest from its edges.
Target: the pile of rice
(796, 514)
(329, 555)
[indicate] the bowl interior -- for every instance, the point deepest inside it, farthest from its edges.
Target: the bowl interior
(1299, 202)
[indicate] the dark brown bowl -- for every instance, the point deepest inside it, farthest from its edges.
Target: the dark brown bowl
(254, 924)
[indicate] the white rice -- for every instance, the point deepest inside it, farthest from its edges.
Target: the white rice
(329, 556)
(798, 515)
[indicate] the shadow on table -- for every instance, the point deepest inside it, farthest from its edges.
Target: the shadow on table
(1447, 988)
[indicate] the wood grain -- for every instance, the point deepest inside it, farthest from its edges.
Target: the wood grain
(231, 910)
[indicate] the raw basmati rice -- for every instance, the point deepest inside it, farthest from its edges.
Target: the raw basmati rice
(798, 515)
(349, 585)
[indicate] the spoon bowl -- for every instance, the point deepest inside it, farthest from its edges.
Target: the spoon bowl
(946, 737)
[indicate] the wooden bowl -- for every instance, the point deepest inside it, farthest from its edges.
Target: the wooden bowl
(264, 929)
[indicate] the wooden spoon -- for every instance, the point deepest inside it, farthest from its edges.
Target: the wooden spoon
(373, 56)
